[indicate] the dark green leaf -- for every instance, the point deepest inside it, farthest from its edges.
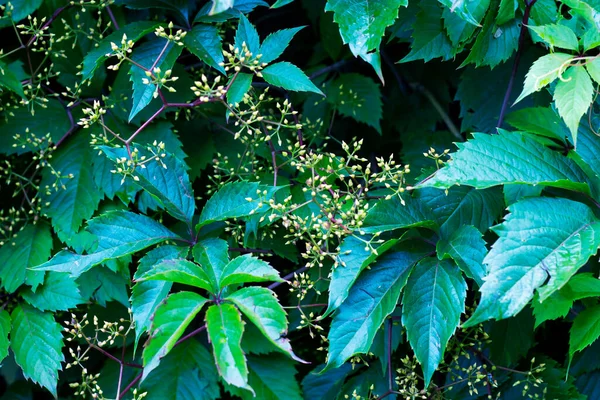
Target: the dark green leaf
(5, 322)
(178, 271)
(9, 80)
(396, 213)
(466, 247)
(238, 88)
(204, 42)
(274, 44)
(245, 269)
(246, 34)
(432, 303)
(59, 292)
(585, 329)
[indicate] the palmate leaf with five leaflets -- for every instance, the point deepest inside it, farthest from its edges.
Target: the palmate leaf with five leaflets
(541, 238)
(434, 299)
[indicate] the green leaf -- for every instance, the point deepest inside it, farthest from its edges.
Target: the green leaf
(482, 162)
(147, 55)
(541, 238)
(289, 77)
(261, 307)
(585, 329)
(5, 322)
(354, 256)
(119, 233)
(593, 68)
(103, 285)
(178, 271)
(272, 378)
(573, 96)
(557, 36)
(245, 269)
(95, 57)
(467, 248)
(9, 80)
(59, 292)
(70, 201)
(204, 42)
(433, 301)
(213, 255)
(146, 296)
(462, 9)
(186, 372)
(30, 247)
(506, 11)
(36, 340)
(235, 200)
(429, 38)
(509, 348)
(21, 9)
(168, 324)
(239, 87)
(274, 44)
(543, 72)
(166, 181)
(460, 30)
(246, 33)
(542, 121)
(179, 7)
(225, 329)
(591, 40)
(396, 213)
(363, 22)
(515, 191)
(372, 298)
(494, 44)
(218, 6)
(52, 120)
(554, 307)
(357, 96)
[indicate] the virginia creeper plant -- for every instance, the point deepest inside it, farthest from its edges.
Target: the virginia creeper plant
(299, 199)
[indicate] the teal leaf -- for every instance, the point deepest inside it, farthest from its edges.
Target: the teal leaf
(541, 238)
(166, 181)
(178, 271)
(146, 296)
(541, 121)
(218, 6)
(573, 96)
(272, 378)
(467, 248)
(30, 247)
(357, 96)
(543, 72)
(483, 162)
(97, 55)
(238, 88)
(59, 292)
(70, 201)
(274, 44)
(246, 34)
(429, 38)
(235, 200)
(119, 233)
(462, 9)
(147, 55)
(179, 7)
(246, 269)
(506, 11)
(261, 307)
(36, 341)
(354, 256)
(186, 372)
(433, 301)
(225, 329)
(396, 213)
(363, 22)
(169, 323)
(9, 80)
(326, 385)
(204, 42)
(459, 29)
(102, 285)
(585, 329)
(371, 299)
(288, 77)
(5, 322)
(557, 36)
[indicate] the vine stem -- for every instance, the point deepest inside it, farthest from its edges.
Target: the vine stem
(513, 74)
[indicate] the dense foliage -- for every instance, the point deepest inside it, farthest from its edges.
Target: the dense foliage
(235, 199)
